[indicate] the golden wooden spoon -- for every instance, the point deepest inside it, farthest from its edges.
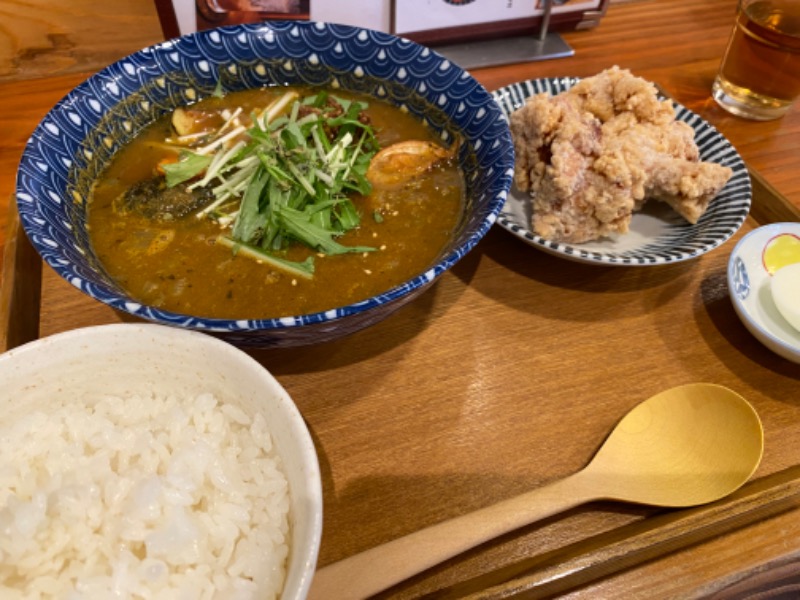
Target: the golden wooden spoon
(686, 446)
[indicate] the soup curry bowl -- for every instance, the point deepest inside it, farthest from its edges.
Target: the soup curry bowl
(81, 136)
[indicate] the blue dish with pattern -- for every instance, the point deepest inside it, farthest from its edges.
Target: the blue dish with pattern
(78, 137)
(657, 235)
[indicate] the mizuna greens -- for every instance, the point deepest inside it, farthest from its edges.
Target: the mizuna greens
(287, 176)
(147, 237)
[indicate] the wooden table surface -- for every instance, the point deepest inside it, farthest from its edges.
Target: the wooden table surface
(511, 370)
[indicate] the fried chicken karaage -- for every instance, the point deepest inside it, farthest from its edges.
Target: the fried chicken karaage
(592, 155)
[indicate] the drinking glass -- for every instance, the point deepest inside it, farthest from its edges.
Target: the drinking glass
(759, 77)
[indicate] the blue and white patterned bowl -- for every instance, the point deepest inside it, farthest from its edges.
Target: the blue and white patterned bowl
(657, 234)
(76, 140)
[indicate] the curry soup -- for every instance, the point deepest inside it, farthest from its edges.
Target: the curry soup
(178, 264)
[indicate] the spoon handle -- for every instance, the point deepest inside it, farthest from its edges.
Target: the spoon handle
(367, 573)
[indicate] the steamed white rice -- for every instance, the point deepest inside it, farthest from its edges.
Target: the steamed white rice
(157, 497)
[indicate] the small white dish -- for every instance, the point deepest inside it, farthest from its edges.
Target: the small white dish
(750, 269)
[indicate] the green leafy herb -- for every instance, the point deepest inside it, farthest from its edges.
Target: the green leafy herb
(189, 165)
(303, 269)
(300, 225)
(218, 91)
(289, 179)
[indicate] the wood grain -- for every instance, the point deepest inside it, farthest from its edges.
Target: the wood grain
(512, 369)
(769, 206)
(43, 39)
(647, 459)
(20, 294)
(627, 547)
(532, 367)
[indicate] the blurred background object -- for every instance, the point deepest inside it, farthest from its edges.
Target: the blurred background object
(42, 39)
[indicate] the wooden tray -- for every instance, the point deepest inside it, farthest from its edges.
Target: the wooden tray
(507, 374)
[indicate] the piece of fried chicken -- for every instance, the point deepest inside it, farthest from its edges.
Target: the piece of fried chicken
(592, 155)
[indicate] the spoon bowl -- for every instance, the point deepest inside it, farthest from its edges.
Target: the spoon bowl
(686, 446)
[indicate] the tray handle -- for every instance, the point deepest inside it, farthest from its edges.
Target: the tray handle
(20, 286)
(589, 561)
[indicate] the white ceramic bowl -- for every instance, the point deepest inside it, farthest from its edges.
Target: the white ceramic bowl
(749, 281)
(133, 359)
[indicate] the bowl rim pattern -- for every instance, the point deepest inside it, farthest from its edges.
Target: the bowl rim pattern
(399, 70)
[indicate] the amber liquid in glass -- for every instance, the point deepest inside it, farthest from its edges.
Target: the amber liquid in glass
(761, 66)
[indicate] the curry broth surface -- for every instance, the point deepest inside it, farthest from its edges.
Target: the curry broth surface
(177, 266)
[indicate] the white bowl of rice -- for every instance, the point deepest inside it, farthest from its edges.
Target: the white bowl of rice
(143, 461)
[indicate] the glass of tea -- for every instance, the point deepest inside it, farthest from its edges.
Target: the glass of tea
(759, 77)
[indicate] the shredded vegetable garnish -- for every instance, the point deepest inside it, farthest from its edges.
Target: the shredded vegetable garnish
(287, 176)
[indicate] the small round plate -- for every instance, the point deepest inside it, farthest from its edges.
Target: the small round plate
(749, 278)
(657, 235)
